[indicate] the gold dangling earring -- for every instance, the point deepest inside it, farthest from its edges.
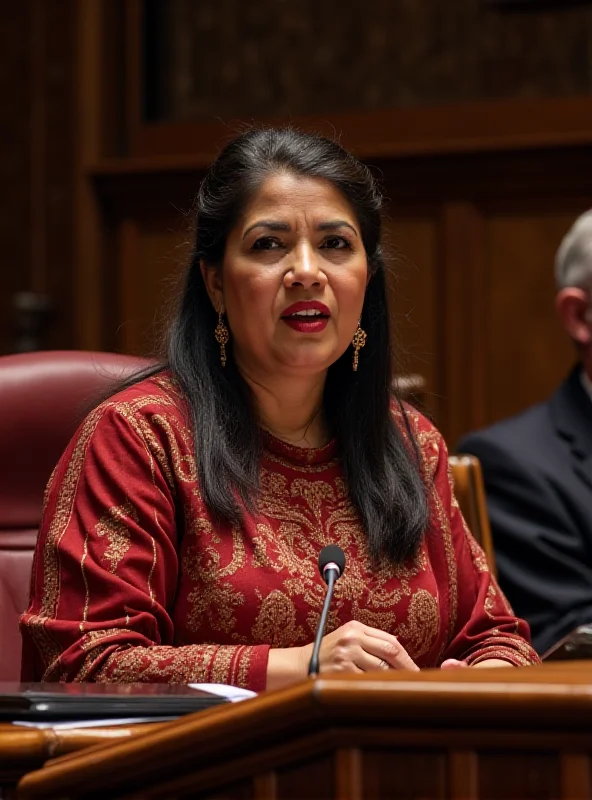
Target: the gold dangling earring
(358, 342)
(222, 336)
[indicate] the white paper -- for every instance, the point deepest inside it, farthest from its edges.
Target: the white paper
(232, 693)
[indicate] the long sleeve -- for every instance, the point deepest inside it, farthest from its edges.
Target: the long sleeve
(482, 624)
(106, 570)
(543, 560)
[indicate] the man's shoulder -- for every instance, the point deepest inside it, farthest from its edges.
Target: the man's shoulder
(534, 425)
(526, 442)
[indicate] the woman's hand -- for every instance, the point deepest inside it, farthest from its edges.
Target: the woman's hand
(353, 647)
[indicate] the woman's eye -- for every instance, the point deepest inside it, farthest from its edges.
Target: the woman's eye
(267, 243)
(336, 243)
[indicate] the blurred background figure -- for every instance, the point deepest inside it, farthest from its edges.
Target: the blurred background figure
(538, 473)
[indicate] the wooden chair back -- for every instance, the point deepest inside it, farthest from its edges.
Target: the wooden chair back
(470, 493)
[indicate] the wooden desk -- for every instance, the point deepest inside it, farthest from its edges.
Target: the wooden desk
(496, 734)
(26, 749)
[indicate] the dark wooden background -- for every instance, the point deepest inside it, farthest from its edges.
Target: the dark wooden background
(227, 57)
(478, 121)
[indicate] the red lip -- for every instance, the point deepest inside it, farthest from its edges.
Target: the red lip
(304, 305)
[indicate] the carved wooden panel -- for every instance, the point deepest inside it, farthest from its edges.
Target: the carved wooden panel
(14, 162)
(37, 163)
(228, 58)
(406, 774)
(507, 774)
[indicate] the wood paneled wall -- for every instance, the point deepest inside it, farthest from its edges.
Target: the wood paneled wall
(480, 195)
(37, 124)
(234, 58)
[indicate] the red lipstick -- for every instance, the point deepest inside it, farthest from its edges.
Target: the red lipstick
(306, 323)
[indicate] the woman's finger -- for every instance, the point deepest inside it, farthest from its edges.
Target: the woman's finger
(369, 663)
(389, 650)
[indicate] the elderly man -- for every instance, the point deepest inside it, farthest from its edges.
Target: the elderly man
(538, 473)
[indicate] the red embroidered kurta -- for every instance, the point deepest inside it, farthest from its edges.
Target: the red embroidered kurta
(133, 581)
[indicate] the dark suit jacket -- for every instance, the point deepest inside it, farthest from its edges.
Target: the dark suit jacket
(538, 478)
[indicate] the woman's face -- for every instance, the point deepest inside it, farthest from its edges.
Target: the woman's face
(293, 277)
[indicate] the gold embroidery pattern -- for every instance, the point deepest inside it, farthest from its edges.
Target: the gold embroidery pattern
(242, 666)
(92, 638)
(516, 642)
(89, 664)
(511, 654)
(307, 469)
(477, 554)
(54, 671)
(276, 622)
(423, 620)
(62, 515)
(316, 493)
(154, 449)
(113, 527)
(48, 647)
(47, 489)
(153, 565)
(184, 464)
(190, 664)
(67, 493)
(324, 515)
(445, 528)
(214, 597)
(297, 516)
(490, 601)
(431, 443)
(86, 587)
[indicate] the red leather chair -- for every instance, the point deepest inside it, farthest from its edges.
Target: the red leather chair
(43, 398)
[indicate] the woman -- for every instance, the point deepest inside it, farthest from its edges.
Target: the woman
(183, 524)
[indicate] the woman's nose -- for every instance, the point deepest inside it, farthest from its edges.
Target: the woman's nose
(305, 270)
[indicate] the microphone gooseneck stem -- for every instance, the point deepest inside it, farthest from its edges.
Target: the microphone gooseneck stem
(313, 667)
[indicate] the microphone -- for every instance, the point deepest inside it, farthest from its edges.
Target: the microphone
(331, 566)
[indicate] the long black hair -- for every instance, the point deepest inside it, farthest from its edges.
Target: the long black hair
(381, 464)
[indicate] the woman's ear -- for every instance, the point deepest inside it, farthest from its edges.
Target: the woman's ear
(573, 306)
(212, 278)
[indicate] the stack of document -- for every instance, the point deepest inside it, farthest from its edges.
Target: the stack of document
(77, 705)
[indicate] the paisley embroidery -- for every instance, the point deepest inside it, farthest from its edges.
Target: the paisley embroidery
(114, 528)
(193, 598)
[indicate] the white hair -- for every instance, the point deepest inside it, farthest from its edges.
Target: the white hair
(573, 262)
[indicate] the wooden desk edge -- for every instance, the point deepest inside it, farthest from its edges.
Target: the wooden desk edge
(560, 685)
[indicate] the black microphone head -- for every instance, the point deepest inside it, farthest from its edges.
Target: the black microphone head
(332, 554)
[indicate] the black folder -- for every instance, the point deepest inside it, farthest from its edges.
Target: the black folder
(577, 645)
(40, 702)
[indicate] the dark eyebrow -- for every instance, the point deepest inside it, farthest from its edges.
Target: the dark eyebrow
(269, 224)
(335, 224)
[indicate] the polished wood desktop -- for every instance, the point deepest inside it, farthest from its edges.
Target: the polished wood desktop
(25, 749)
(495, 733)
